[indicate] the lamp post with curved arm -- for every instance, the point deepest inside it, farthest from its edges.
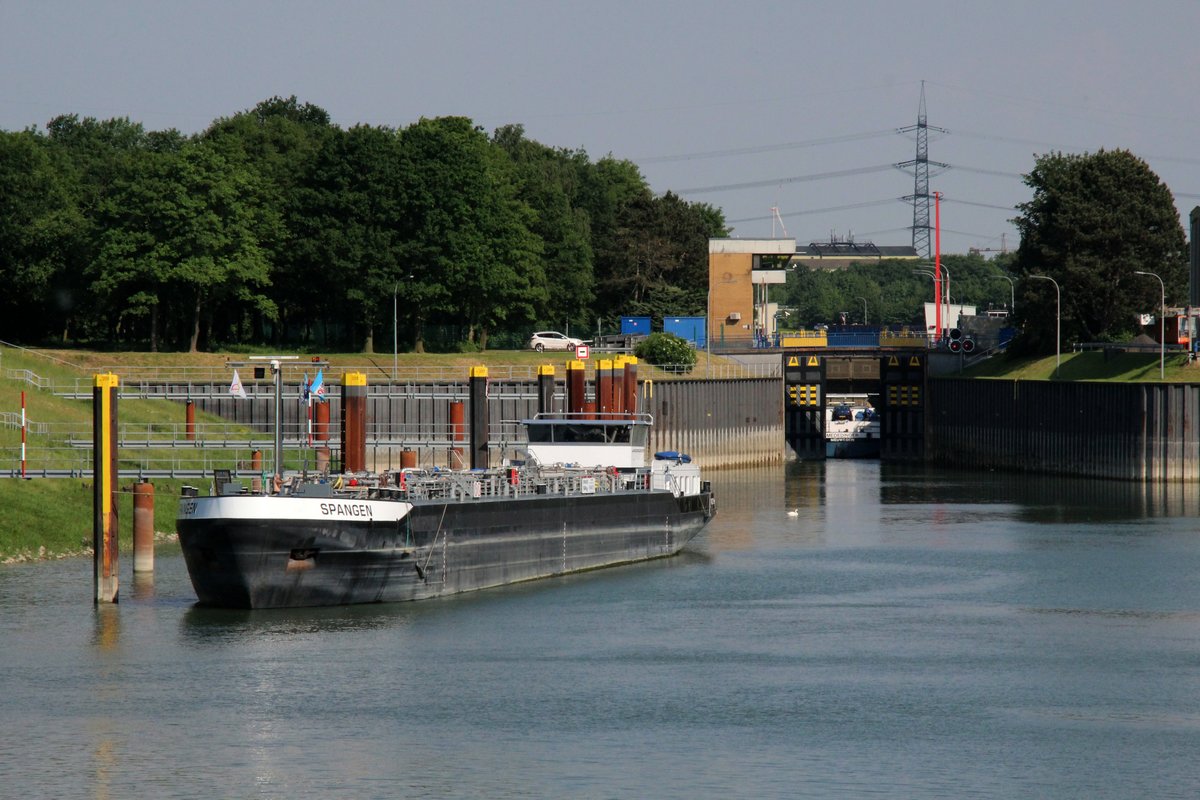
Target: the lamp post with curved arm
(1057, 322)
(929, 274)
(1162, 323)
(1012, 293)
(864, 309)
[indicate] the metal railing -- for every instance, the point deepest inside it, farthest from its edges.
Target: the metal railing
(28, 376)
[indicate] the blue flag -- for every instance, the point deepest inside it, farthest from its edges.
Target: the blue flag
(318, 386)
(304, 389)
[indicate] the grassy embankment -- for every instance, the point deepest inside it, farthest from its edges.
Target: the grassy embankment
(52, 517)
(1089, 366)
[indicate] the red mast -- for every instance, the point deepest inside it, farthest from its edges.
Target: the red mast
(937, 261)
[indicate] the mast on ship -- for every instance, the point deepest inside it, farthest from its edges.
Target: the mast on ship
(277, 390)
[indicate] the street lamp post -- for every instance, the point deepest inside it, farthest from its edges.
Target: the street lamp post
(936, 338)
(1012, 294)
(395, 335)
(864, 309)
(1162, 323)
(1057, 322)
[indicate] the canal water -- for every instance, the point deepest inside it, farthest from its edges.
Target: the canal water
(840, 630)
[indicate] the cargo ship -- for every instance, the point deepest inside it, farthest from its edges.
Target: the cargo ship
(581, 496)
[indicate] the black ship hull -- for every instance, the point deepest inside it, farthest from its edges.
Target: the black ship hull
(261, 552)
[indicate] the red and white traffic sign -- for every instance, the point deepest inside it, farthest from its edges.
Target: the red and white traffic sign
(582, 352)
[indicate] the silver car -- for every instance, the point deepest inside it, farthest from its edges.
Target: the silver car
(553, 340)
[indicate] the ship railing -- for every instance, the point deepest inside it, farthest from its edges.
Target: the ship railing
(527, 481)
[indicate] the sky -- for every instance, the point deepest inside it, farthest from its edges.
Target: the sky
(748, 106)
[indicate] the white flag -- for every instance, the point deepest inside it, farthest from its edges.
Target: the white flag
(236, 389)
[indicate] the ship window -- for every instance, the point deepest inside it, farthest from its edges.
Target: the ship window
(580, 433)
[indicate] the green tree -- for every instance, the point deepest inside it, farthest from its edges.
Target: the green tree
(549, 183)
(39, 228)
(95, 157)
(184, 227)
(348, 231)
(280, 140)
(655, 261)
(469, 246)
(1093, 221)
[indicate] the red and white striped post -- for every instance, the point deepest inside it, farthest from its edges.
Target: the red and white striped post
(22, 435)
(310, 425)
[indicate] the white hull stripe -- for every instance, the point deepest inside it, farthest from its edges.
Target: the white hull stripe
(310, 509)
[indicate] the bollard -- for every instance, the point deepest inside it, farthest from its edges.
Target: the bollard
(190, 426)
(143, 526)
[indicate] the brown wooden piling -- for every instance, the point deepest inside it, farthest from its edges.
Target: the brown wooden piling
(604, 388)
(354, 422)
(618, 388)
(631, 385)
(458, 433)
(576, 383)
(321, 423)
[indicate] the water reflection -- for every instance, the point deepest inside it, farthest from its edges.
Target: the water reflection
(106, 633)
(1038, 498)
(209, 625)
(143, 585)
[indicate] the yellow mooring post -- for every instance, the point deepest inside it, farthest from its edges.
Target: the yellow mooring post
(104, 497)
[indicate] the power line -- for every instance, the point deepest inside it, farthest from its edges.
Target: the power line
(995, 172)
(766, 148)
(842, 173)
(946, 199)
(814, 211)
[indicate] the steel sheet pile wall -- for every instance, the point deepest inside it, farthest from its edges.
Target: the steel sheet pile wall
(720, 423)
(1140, 432)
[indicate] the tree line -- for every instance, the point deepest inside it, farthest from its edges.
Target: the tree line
(276, 227)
